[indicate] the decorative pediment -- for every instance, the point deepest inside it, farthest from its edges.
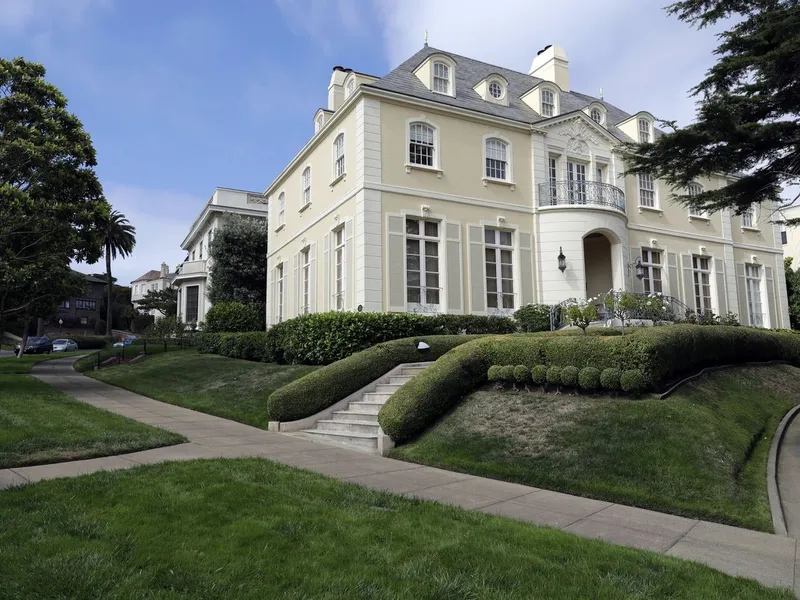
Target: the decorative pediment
(580, 131)
(577, 130)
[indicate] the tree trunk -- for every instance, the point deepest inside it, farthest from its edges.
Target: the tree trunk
(110, 289)
(24, 340)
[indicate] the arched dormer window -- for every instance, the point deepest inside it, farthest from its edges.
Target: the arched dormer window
(442, 78)
(548, 102)
(645, 131)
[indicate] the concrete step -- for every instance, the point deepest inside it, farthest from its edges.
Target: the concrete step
(383, 388)
(399, 380)
(348, 426)
(351, 415)
(363, 440)
(412, 371)
(373, 397)
(372, 408)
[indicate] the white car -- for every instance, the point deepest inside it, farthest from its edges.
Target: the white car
(65, 345)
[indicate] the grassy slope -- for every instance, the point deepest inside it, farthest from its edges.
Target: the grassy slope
(251, 529)
(226, 387)
(700, 453)
(13, 365)
(41, 425)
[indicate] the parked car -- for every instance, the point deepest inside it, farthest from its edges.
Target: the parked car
(36, 345)
(126, 341)
(65, 345)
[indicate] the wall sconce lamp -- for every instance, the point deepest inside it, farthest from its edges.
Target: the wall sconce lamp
(640, 268)
(562, 260)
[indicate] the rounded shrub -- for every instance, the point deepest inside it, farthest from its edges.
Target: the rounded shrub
(609, 378)
(507, 373)
(233, 317)
(494, 373)
(522, 374)
(539, 374)
(554, 375)
(589, 378)
(569, 376)
(632, 381)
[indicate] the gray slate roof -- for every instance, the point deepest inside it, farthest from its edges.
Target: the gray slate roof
(470, 72)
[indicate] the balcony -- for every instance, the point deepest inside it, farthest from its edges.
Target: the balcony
(191, 269)
(581, 193)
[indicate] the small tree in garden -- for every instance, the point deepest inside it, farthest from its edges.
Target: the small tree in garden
(622, 305)
(582, 314)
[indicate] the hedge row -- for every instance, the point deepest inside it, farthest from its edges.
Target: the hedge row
(326, 386)
(660, 353)
(587, 378)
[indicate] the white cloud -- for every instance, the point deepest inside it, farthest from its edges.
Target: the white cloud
(18, 16)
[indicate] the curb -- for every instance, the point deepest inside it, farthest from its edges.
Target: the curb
(776, 508)
(702, 372)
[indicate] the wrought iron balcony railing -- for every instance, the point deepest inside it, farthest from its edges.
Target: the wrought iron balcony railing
(578, 193)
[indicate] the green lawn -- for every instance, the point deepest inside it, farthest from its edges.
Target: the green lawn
(700, 453)
(41, 425)
(12, 365)
(252, 529)
(225, 387)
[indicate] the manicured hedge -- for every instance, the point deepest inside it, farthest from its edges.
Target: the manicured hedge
(233, 316)
(659, 353)
(326, 386)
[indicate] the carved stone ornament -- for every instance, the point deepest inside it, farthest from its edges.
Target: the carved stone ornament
(578, 134)
(252, 199)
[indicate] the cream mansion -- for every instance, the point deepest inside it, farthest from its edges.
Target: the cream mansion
(454, 186)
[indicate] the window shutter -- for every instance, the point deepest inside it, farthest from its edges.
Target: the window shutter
(312, 278)
(326, 272)
(526, 269)
(297, 295)
(688, 282)
(477, 277)
(272, 289)
(773, 319)
(638, 284)
(672, 268)
(741, 289)
(395, 252)
(722, 296)
(348, 265)
(455, 303)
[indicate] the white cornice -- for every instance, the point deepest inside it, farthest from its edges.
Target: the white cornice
(217, 208)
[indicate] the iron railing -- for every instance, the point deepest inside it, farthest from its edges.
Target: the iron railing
(581, 193)
(664, 309)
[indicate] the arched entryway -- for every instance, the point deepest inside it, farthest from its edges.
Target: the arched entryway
(599, 272)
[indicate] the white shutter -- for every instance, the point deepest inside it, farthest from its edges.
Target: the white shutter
(741, 291)
(672, 268)
(477, 267)
(722, 296)
(297, 295)
(773, 319)
(688, 282)
(396, 261)
(326, 272)
(637, 285)
(349, 284)
(312, 278)
(455, 288)
(525, 269)
(273, 286)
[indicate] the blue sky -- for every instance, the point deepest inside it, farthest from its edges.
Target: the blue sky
(181, 97)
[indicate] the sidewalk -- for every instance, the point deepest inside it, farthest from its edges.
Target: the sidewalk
(767, 558)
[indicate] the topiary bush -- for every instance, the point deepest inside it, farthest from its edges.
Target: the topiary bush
(589, 378)
(569, 376)
(507, 373)
(533, 317)
(233, 317)
(539, 374)
(522, 374)
(554, 375)
(609, 378)
(632, 381)
(494, 373)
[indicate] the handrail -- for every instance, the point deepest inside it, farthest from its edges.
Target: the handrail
(581, 193)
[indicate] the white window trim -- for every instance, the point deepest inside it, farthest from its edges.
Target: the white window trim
(350, 83)
(711, 284)
(656, 200)
(650, 129)
(452, 74)
(281, 217)
(334, 248)
(649, 266)
(306, 203)
(514, 248)
(437, 154)
(703, 216)
(503, 99)
(305, 280)
(280, 292)
(334, 177)
(319, 122)
(509, 180)
(754, 226)
(762, 300)
(556, 101)
(423, 307)
(603, 114)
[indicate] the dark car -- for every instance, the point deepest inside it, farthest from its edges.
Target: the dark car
(37, 345)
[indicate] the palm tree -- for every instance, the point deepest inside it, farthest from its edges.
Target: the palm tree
(119, 238)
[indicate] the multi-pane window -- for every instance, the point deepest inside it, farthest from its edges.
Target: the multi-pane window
(644, 131)
(338, 156)
(338, 266)
(552, 176)
(281, 209)
(784, 236)
(597, 116)
(499, 269)
(548, 103)
(647, 190)
(306, 186)
(496, 90)
(576, 179)
(600, 175)
(305, 279)
(496, 159)
(85, 304)
(201, 249)
(651, 261)
(695, 189)
(422, 262)
(279, 282)
(753, 282)
(420, 144)
(701, 271)
(748, 218)
(441, 78)
(192, 303)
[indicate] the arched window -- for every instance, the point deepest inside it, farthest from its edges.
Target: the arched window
(597, 116)
(281, 209)
(307, 186)
(441, 78)
(496, 90)
(548, 103)
(421, 144)
(695, 189)
(338, 156)
(496, 159)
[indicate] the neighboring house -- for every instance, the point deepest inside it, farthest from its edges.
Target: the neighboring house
(452, 186)
(152, 280)
(191, 276)
(82, 312)
(790, 236)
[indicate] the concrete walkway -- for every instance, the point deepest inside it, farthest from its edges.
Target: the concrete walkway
(789, 476)
(767, 558)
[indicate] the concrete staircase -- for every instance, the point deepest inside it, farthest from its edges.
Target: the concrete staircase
(357, 426)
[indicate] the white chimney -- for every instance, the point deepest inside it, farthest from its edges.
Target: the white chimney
(552, 64)
(336, 88)
(164, 269)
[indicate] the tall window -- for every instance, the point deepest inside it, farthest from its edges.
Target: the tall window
(651, 261)
(338, 262)
(306, 186)
(279, 281)
(305, 265)
(192, 303)
(338, 155)
(753, 283)
(695, 189)
(201, 249)
(281, 209)
(496, 159)
(701, 268)
(422, 263)
(576, 178)
(600, 175)
(596, 115)
(749, 218)
(499, 269)
(548, 103)
(647, 190)
(421, 144)
(644, 131)
(552, 175)
(441, 78)
(784, 236)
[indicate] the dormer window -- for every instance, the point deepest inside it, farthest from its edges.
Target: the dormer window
(351, 87)
(319, 123)
(644, 131)
(597, 116)
(548, 103)
(441, 78)
(496, 90)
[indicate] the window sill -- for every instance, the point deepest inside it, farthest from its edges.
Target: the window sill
(651, 209)
(705, 218)
(279, 227)
(410, 167)
(488, 180)
(751, 229)
(305, 207)
(338, 179)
